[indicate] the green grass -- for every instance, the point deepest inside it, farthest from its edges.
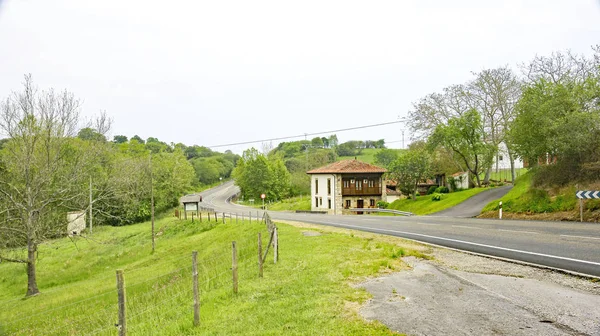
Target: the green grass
(504, 174)
(424, 205)
(288, 204)
(367, 155)
(307, 292)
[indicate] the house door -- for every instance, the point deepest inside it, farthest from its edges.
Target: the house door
(360, 204)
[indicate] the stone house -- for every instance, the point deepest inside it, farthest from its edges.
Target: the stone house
(346, 184)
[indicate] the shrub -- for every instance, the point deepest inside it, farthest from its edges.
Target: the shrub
(382, 204)
(492, 185)
(442, 190)
(431, 190)
(436, 197)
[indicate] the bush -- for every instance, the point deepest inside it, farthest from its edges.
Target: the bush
(382, 204)
(442, 190)
(436, 197)
(431, 190)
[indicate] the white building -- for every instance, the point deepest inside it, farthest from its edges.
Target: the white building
(346, 184)
(501, 161)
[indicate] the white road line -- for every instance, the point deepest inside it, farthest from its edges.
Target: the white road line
(432, 224)
(464, 242)
(369, 219)
(467, 227)
(580, 237)
(519, 231)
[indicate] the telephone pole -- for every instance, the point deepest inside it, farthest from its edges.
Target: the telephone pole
(91, 202)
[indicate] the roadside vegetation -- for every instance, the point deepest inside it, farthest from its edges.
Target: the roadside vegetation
(428, 204)
(309, 291)
(287, 204)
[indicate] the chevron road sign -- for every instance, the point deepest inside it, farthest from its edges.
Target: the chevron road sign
(587, 194)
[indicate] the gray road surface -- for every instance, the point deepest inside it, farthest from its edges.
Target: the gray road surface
(569, 246)
(473, 206)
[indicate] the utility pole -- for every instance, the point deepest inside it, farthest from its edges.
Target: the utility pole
(402, 139)
(151, 198)
(306, 150)
(91, 202)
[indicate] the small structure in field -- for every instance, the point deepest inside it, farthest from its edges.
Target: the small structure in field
(190, 203)
(76, 223)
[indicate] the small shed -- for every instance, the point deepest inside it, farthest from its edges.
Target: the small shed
(190, 203)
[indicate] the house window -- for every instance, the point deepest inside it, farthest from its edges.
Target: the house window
(320, 200)
(346, 184)
(329, 187)
(372, 202)
(348, 204)
(329, 203)
(500, 158)
(358, 185)
(316, 202)
(371, 183)
(316, 186)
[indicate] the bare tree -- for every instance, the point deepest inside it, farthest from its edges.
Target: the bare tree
(561, 66)
(45, 172)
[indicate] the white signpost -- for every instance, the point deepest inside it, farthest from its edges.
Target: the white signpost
(263, 199)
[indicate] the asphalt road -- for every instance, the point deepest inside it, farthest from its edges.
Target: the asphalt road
(569, 246)
(473, 206)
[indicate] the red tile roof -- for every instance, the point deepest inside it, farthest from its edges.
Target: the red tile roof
(347, 166)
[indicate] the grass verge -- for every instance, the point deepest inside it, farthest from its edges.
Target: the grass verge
(424, 205)
(307, 292)
(288, 204)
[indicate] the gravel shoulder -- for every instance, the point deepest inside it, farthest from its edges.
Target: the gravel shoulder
(463, 294)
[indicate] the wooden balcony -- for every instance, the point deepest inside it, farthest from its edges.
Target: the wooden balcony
(365, 191)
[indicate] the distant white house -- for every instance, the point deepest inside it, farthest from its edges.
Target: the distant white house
(501, 161)
(461, 180)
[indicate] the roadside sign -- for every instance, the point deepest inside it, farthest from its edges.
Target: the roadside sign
(263, 196)
(587, 194)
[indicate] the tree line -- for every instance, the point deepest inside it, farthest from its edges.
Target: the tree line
(548, 115)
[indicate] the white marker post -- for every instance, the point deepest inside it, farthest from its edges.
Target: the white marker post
(500, 213)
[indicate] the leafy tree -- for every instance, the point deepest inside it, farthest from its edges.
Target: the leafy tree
(90, 134)
(385, 157)
(347, 149)
(409, 169)
(333, 141)
(464, 136)
(119, 139)
(325, 142)
(138, 139)
(317, 142)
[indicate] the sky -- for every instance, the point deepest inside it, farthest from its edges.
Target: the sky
(220, 72)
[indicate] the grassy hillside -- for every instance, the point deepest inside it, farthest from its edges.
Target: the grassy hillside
(558, 203)
(307, 292)
(367, 155)
(424, 205)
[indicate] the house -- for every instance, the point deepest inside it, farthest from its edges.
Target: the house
(461, 180)
(346, 184)
(502, 161)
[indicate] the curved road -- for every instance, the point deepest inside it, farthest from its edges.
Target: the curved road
(474, 204)
(569, 246)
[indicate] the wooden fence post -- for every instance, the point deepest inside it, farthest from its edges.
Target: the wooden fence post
(122, 301)
(275, 245)
(200, 217)
(260, 262)
(234, 267)
(195, 284)
(223, 217)
(192, 217)
(236, 218)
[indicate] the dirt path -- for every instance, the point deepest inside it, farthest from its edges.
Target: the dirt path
(473, 206)
(433, 299)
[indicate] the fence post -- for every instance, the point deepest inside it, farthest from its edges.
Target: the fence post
(122, 300)
(234, 267)
(250, 217)
(275, 245)
(200, 217)
(223, 217)
(260, 263)
(195, 284)
(236, 218)
(500, 210)
(192, 217)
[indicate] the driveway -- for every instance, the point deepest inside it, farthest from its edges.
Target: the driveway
(473, 206)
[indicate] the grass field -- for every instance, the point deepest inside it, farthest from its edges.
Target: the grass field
(424, 205)
(367, 155)
(307, 292)
(288, 204)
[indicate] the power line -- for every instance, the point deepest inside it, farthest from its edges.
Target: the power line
(308, 134)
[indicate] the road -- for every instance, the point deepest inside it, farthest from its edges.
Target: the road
(473, 206)
(569, 246)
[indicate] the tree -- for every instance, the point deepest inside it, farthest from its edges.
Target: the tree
(409, 169)
(119, 139)
(138, 139)
(325, 142)
(45, 171)
(90, 134)
(465, 137)
(385, 157)
(346, 149)
(317, 142)
(333, 140)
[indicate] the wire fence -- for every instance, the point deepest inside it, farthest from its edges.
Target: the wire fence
(142, 305)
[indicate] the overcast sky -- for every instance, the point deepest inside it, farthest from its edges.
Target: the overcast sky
(217, 72)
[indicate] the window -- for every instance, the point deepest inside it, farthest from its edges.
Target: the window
(372, 202)
(346, 184)
(348, 204)
(371, 183)
(320, 200)
(329, 187)
(329, 203)
(358, 185)
(500, 158)
(316, 186)
(316, 202)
